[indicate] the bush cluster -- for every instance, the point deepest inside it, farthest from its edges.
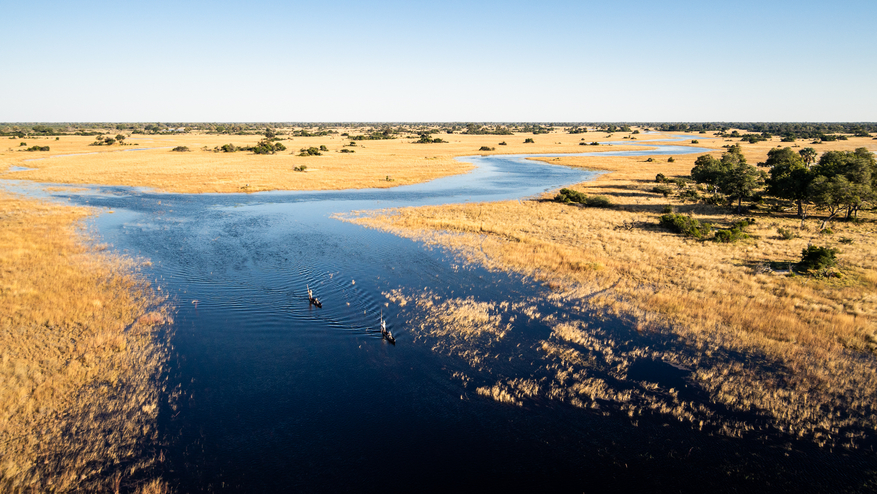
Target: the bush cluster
(786, 234)
(662, 189)
(685, 225)
(37, 148)
(311, 151)
(687, 194)
(181, 149)
(426, 139)
(486, 148)
(568, 196)
(103, 141)
(817, 258)
(265, 146)
(735, 233)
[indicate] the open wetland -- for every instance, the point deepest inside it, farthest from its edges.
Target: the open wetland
(505, 375)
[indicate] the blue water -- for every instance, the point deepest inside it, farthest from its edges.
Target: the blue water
(279, 396)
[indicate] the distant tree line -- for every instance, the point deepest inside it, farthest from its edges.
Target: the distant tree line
(796, 130)
(473, 129)
(386, 133)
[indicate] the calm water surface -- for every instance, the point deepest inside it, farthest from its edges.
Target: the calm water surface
(278, 396)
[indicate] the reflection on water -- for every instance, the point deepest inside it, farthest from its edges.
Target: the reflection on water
(277, 395)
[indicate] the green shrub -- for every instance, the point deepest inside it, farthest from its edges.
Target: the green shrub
(736, 232)
(662, 189)
(568, 196)
(529, 140)
(486, 148)
(689, 195)
(323, 147)
(670, 159)
(650, 160)
(786, 234)
(300, 168)
(228, 148)
(37, 148)
(732, 235)
(660, 178)
(597, 202)
(265, 146)
(685, 225)
(426, 139)
(181, 149)
(827, 231)
(345, 150)
(311, 151)
(595, 143)
(503, 143)
(817, 258)
(714, 200)
(667, 209)
(743, 223)
(695, 141)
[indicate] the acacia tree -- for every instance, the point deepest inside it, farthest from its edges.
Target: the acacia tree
(740, 181)
(708, 170)
(845, 180)
(731, 175)
(789, 177)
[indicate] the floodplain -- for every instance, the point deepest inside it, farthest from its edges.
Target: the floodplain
(540, 321)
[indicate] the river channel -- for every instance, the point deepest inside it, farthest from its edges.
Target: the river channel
(279, 396)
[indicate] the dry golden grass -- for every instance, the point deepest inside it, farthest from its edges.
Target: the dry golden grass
(403, 161)
(819, 335)
(79, 356)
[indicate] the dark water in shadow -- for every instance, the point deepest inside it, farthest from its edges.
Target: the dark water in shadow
(279, 396)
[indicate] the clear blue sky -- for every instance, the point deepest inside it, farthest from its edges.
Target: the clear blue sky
(439, 61)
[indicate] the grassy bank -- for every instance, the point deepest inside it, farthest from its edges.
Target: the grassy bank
(815, 337)
(80, 357)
